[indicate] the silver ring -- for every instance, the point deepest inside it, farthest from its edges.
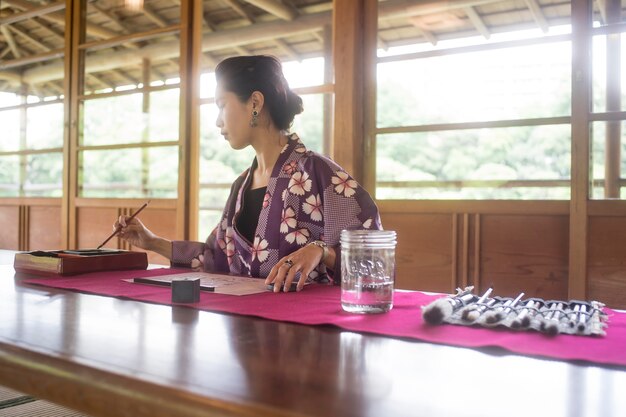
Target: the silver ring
(288, 262)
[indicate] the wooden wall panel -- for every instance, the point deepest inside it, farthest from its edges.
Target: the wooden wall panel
(606, 260)
(524, 253)
(44, 231)
(96, 223)
(9, 227)
(162, 222)
(424, 255)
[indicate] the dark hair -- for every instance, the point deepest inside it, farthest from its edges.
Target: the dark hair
(243, 75)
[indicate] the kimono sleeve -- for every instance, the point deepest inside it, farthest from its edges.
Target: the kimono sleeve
(347, 206)
(195, 255)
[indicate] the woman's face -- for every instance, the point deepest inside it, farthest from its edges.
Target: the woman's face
(233, 118)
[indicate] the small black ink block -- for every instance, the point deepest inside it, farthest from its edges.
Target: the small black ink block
(186, 290)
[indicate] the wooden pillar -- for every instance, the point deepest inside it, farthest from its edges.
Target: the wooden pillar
(189, 128)
(145, 134)
(354, 52)
(72, 87)
(23, 145)
(328, 99)
(612, 170)
(581, 99)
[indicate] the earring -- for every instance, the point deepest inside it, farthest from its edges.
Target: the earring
(255, 117)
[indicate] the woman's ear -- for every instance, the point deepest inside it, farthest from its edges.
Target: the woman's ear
(257, 100)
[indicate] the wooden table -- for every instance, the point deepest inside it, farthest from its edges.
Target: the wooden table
(113, 357)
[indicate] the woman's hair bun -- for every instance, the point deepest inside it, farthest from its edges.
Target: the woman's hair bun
(243, 75)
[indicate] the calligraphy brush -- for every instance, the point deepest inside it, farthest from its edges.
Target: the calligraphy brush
(473, 307)
(439, 310)
(503, 311)
(117, 229)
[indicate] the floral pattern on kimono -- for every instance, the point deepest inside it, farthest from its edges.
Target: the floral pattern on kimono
(309, 197)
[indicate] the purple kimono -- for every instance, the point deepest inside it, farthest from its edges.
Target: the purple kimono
(309, 197)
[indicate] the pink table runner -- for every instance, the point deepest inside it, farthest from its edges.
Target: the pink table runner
(320, 305)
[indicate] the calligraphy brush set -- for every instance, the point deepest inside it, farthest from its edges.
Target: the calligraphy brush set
(584, 318)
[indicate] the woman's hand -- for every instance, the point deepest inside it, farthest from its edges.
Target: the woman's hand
(134, 232)
(304, 260)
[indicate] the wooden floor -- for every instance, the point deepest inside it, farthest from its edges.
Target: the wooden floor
(17, 404)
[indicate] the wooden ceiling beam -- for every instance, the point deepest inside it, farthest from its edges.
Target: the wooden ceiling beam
(477, 21)
(32, 59)
(154, 16)
(59, 18)
(231, 38)
(535, 10)
(276, 8)
(240, 10)
(101, 81)
(287, 49)
(124, 75)
(5, 52)
(111, 16)
(34, 12)
(10, 41)
(49, 29)
(29, 38)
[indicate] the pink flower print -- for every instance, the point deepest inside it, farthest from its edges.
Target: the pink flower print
(344, 184)
(288, 220)
(367, 224)
(266, 199)
(299, 183)
(228, 245)
(300, 236)
(197, 264)
(259, 249)
(313, 207)
(290, 168)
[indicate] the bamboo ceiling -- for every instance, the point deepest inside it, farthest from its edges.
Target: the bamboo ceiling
(32, 33)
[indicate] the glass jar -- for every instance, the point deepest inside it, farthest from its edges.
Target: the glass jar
(368, 270)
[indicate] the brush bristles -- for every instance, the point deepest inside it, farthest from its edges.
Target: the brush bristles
(436, 312)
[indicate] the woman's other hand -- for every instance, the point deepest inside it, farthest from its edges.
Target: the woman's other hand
(304, 260)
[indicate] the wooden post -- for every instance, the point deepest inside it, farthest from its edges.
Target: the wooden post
(189, 128)
(613, 102)
(328, 99)
(354, 52)
(73, 87)
(581, 99)
(145, 136)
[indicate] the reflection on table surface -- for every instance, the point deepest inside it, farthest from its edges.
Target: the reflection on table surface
(109, 356)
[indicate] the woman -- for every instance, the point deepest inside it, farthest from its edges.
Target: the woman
(285, 213)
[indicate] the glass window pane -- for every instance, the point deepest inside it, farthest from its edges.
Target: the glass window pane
(498, 163)
(164, 107)
(162, 180)
(9, 175)
(113, 120)
(8, 99)
(10, 122)
(603, 164)
(512, 83)
(609, 73)
(130, 173)
(114, 173)
(44, 175)
(309, 125)
(305, 73)
(44, 127)
(219, 163)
